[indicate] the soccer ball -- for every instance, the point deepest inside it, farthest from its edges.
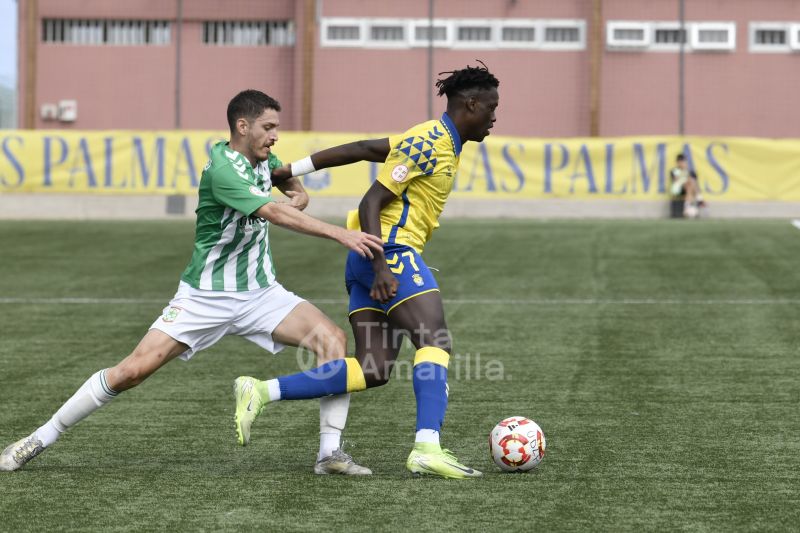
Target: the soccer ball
(517, 444)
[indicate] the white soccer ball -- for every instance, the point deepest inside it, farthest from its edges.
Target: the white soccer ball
(517, 444)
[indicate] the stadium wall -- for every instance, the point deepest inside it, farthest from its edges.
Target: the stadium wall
(546, 88)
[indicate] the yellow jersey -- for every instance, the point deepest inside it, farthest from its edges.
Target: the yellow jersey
(420, 170)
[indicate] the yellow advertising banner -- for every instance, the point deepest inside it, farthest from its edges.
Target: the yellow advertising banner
(636, 168)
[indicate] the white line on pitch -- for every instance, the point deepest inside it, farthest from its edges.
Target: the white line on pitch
(796, 223)
(454, 301)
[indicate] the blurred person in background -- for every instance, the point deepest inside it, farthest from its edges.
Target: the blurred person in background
(684, 185)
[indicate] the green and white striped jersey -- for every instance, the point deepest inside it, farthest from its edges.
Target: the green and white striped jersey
(231, 246)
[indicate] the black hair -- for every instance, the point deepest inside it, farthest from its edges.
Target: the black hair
(465, 79)
(249, 104)
(680, 157)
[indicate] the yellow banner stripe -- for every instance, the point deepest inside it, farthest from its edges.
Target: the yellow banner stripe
(729, 169)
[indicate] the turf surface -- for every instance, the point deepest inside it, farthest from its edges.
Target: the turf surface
(660, 358)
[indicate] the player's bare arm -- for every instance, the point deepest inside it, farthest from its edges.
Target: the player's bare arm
(293, 189)
(375, 150)
(280, 174)
(288, 217)
(377, 197)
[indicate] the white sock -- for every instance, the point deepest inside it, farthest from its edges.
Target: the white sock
(328, 442)
(48, 434)
(332, 419)
(427, 435)
(273, 390)
(92, 395)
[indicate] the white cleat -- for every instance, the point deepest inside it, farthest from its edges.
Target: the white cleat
(340, 463)
(16, 455)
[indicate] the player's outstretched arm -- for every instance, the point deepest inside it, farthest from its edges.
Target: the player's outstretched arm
(289, 217)
(374, 150)
(294, 190)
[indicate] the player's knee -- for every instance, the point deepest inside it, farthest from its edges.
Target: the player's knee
(331, 344)
(374, 380)
(125, 376)
(431, 333)
(134, 369)
(376, 374)
(339, 340)
(438, 339)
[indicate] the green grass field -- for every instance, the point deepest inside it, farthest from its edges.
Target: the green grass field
(660, 359)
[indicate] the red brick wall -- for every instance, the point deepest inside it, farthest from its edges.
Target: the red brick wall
(542, 93)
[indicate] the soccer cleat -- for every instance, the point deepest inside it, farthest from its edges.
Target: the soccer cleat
(248, 405)
(340, 463)
(430, 459)
(16, 455)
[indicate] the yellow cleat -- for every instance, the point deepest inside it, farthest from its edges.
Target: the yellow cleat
(248, 405)
(430, 459)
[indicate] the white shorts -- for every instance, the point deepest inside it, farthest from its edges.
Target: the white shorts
(200, 318)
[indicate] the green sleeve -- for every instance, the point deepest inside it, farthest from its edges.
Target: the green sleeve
(231, 190)
(274, 162)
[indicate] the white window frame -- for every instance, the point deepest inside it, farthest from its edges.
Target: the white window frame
(519, 23)
(794, 37)
(476, 45)
(697, 27)
(374, 43)
(342, 21)
(670, 47)
(615, 44)
(451, 27)
(437, 23)
(770, 48)
(580, 25)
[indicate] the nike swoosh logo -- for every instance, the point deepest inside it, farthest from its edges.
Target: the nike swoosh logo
(250, 405)
(465, 470)
(424, 464)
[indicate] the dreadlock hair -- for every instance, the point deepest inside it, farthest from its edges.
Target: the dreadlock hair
(465, 79)
(249, 104)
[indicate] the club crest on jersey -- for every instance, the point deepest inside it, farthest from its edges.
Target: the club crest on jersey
(171, 314)
(417, 279)
(399, 173)
(256, 191)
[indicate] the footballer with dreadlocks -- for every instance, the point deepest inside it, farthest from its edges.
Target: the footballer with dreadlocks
(395, 294)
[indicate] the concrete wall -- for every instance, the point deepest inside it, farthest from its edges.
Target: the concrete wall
(89, 207)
